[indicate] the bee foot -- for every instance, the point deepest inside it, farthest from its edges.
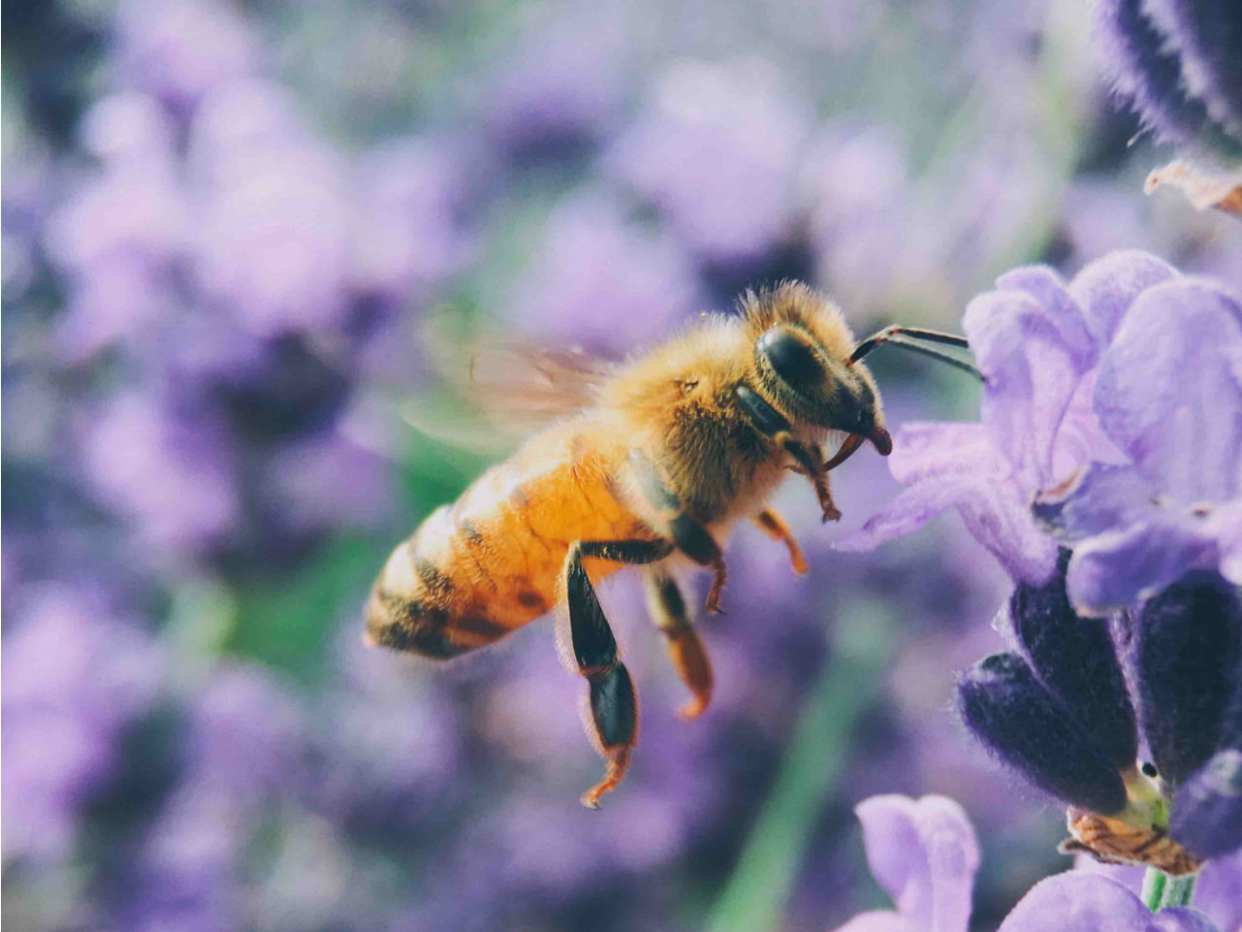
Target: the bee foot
(693, 709)
(618, 763)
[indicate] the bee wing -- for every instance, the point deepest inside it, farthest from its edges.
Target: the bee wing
(524, 387)
(494, 395)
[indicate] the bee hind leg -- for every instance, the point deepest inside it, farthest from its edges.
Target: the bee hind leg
(612, 708)
(668, 611)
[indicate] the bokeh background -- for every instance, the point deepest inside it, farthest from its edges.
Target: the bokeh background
(227, 228)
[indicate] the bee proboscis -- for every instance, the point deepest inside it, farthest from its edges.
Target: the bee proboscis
(669, 450)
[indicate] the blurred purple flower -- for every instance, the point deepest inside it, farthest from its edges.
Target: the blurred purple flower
(562, 87)
(601, 280)
(327, 479)
(243, 746)
(1088, 412)
(925, 855)
(169, 470)
(716, 155)
(273, 240)
(74, 678)
(410, 233)
(179, 50)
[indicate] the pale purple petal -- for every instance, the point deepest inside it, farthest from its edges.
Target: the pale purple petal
(1107, 497)
(1107, 287)
(940, 449)
(925, 856)
(993, 513)
(1032, 371)
(879, 920)
(1121, 567)
(1080, 902)
(1181, 919)
(1169, 392)
(1225, 524)
(1060, 308)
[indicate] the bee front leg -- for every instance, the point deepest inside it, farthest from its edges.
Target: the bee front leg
(668, 611)
(612, 719)
(775, 527)
(810, 461)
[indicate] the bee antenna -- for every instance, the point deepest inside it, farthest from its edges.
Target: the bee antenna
(912, 339)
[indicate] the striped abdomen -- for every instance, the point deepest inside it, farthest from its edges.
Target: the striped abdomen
(491, 562)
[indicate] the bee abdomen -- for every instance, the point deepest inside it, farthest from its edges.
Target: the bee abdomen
(414, 607)
(411, 625)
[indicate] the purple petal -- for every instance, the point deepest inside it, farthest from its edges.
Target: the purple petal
(1169, 391)
(1217, 891)
(993, 513)
(924, 854)
(1181, 919)
(1107, 287)
(1032, 371)
(939, 449)
(1107, 498)
(1207, 814)
(1225, 524)
(1060, 308)
(1080, 902)
(1120, 568)
(879, 920)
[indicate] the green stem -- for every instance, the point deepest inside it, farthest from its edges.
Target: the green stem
(1153, 888)
(1179, 891)
(756, 893)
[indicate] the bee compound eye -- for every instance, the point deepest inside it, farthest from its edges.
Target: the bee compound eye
(790, 356)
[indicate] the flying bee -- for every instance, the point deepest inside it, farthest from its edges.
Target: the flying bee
(656, 460)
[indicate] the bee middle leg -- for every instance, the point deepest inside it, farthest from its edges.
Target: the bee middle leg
(775, 527)
(668, 611)
(612, 723)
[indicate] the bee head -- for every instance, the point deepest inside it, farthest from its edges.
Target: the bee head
(802, 349)
(809, 384)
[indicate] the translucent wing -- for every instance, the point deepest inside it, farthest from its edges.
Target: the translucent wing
(496, 394)
(528, 387)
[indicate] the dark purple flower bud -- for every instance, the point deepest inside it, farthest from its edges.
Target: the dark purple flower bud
(1076, 661)
(1207, 813)
(1005, 706)
(1189, 665)
(1178, 61)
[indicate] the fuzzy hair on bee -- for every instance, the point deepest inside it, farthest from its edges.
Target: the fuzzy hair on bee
(647, 464)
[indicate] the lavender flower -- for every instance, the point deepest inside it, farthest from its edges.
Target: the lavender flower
(75, 677)
(1113, 406)
(1062, 716)
(925, 855)
(595, 269)
(715, 155)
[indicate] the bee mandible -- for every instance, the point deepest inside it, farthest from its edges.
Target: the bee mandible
(662, 456)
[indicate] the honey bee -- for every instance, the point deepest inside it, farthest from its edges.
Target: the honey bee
(654, 462)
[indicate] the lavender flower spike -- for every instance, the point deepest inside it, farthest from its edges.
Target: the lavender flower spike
(1179, 63)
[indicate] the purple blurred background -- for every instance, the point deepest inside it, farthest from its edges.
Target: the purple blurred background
(225, 229)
